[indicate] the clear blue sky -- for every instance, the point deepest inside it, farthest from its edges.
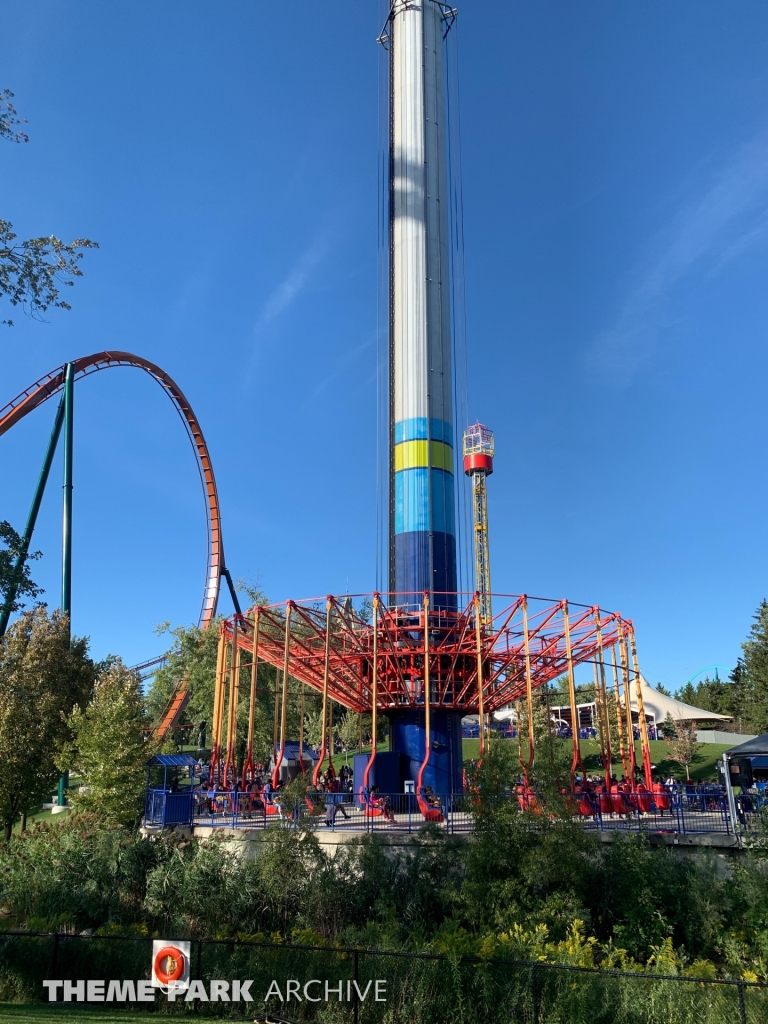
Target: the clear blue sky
(225, 158)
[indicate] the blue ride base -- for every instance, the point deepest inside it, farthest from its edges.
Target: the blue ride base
(407, 736)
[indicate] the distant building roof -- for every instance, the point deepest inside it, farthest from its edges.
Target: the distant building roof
(172, 761)
(291, 752)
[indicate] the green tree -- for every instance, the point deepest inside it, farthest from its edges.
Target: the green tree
(12, 547)
(668, 728)
(683, 747)
(192, 660)
(108, 751)
(43, 675)
(755, 671)
(32, 272)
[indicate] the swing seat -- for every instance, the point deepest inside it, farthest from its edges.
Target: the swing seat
(644, 801)
(433, 814)
(606, 807)
(661, 797)
(369, 809)
(269, 807)
(620, 805)
(586, 810)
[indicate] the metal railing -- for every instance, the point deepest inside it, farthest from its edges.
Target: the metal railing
(677, 810)
(414, 988)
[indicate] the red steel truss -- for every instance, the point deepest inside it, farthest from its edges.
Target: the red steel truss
(338, 625)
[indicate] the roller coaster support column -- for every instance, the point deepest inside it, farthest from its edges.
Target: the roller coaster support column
(26, 540)
(66, 524)
(648, 771)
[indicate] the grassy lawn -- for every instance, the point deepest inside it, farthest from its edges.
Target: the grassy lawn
(19, 1013)
(704, 767)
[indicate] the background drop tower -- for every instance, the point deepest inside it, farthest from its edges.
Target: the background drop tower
(422, 526)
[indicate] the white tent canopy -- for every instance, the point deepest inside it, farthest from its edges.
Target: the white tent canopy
(659, 705)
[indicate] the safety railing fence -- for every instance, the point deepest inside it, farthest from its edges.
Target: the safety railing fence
(360, 986)
(676, 810)
(346, 811)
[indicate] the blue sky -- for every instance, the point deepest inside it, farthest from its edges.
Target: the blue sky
(225, 158)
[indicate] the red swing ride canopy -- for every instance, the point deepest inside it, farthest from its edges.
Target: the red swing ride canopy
(530, 638)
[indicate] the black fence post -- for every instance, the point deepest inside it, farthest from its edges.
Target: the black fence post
(535, 993)
(356, 1016)
(742, 1004)
(198, 970)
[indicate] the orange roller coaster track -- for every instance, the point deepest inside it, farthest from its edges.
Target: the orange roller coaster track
(52, 383)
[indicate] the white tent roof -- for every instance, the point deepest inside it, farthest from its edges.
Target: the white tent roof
(659, 705)
(654, 703)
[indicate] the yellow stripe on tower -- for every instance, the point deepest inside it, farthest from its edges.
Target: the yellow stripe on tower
(413, 455)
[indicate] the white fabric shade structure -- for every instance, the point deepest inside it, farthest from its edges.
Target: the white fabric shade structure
(659, 705)
(656, 705)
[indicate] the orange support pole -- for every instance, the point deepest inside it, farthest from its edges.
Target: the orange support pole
(234, 694)
(619, 712)
(248, 766)
(576, 761)
(284, 714)
(427, 731)
(603, 716)
(218, 707)
(374, 694)
(528, 693)
(644, 741)
(480, 695)
(326, 666)
(627, 700)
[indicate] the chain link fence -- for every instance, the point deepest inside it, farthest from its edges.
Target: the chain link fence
(340, 986)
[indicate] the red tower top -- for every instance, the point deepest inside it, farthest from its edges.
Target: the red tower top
(478, 450)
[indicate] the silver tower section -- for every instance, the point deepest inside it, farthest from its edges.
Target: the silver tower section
(422, 504)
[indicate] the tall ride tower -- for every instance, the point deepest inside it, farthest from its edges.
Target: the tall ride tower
(422, 548)
(422, 518)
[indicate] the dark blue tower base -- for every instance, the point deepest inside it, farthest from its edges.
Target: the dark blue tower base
(406, 737)
(412, 575)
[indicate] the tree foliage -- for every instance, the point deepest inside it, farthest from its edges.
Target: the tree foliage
(33, 272)
(108, 751)
(10, 577)
(9, 118)
(683, 748)
(744, 695)
(43, 675)
(521, 887)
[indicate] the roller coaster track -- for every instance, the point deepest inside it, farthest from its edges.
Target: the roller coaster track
(49, 385)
